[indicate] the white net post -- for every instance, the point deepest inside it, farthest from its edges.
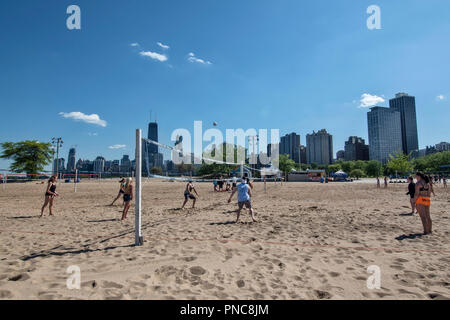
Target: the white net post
(242, 171)
(138, 239)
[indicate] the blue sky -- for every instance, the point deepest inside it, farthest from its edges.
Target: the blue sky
(289, 64)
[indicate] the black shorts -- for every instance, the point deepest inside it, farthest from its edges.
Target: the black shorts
(121, 191)
(234, 185)
(188, 195)
(126, 197)
(247, 204)
(220, 184)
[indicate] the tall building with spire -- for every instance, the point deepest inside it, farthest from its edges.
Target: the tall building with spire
(71, 160)
(151, 156)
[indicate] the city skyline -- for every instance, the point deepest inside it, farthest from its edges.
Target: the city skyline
(297, 73)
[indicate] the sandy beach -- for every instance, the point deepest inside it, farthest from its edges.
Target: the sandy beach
(313, 241)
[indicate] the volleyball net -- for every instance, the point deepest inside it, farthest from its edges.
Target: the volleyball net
(240, 170)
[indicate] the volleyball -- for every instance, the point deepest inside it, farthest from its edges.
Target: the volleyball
(215, 124)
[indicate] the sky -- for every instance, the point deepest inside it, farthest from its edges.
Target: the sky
(291, 65)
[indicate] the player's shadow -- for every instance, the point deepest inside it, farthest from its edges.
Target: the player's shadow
(406, 214)
(410, 236)
(104, 220)
(23, 217)
(222, 223)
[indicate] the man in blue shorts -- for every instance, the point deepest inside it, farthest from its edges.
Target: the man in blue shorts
(244, 198)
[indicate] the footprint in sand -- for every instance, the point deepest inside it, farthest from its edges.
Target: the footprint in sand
(111, 285)
(197, 270)
(5, 294)
(19, 277)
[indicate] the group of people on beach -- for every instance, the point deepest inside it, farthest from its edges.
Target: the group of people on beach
(420, 195)
(243, 191)
(125, 190)
(230, 184)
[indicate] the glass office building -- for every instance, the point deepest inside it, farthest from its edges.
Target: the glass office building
(385, 133)
(406, 105)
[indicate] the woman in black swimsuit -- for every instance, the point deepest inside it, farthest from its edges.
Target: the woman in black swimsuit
(422, 198)
(411, 193)
(50, 194)
(121, 192)
(127, 197)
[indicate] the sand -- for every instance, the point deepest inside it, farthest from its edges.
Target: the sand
(313, 241)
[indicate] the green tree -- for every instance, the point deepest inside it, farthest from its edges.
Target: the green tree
(286, 164)
(432, 162)
(347, 166)
(156, 170)
(28, 156)
(356, 173)
(399, 163)
(333, 168)
(373, 168)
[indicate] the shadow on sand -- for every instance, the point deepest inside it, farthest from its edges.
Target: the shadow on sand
(410, 236)
(406, 214)
(104, 220)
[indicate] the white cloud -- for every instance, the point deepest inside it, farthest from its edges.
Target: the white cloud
(87, 118)
(368, 100)
(117, 146)
(93, 134)
(441, 97)
(135, 44)
(193, 58)
(154, 55)
(164, 46)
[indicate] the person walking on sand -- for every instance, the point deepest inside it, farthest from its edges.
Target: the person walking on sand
(50, 194)
(411, 193)
(385, 182)
(244, 198)
(122, 185)
(422, 199)
(188, 194)
(127, 196)
(378, 182)
(444, 182)
(431, 185)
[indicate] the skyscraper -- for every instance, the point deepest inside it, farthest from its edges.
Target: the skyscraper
(290, 144)
(60, 163)
(356, 149)
(99, 164)
(125, 164)
(151, 156)
(406, 105)
(319, 147)
(153, 135)
(385, 133)
(71, 161)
